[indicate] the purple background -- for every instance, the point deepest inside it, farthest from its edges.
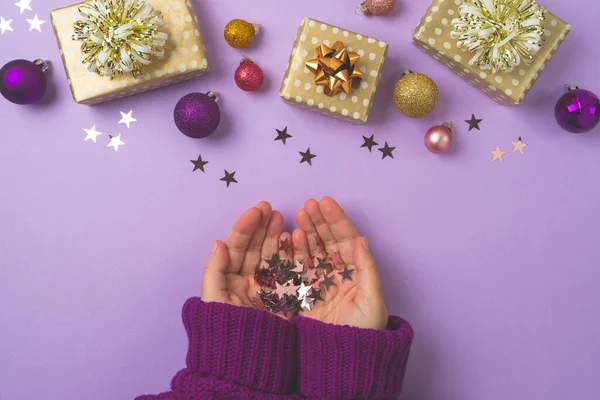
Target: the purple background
(495, 265)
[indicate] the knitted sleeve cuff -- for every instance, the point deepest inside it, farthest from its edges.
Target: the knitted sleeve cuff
(351, 363)
(241, 345)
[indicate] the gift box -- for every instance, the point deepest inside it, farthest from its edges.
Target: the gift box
(333, 71)
(434, 36)
(184, 55)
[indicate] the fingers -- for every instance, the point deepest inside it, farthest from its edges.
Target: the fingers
(270, 245)
(305, 223)
(367, 278)
(314, 212)
(253, 252)
(214, 284)
(240, 236)
(300, 243)
(341, 228)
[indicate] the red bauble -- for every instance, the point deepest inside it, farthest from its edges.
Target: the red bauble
(377, 7)
(248, 76)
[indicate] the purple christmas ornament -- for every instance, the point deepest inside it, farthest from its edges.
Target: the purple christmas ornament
(578, 110)
(197, 115)
(22, 81)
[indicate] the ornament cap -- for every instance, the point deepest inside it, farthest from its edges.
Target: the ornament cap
(363, 9)
(256, 27)
(213, 95)
(246, 59)
(43, 64)
(449, 126)
(571, 87)
(407, 72)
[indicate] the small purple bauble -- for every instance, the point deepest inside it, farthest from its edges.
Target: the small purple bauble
(578, 111)
(197, 115)
(23, 82)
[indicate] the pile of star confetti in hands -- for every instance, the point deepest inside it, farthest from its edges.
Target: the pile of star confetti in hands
(289, 287)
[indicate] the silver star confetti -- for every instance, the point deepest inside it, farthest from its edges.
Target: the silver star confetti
(310, 276)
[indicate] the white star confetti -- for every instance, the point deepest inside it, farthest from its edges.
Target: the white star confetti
(35, 23)
(92, 134)
(303, 291)
(115, 142)
(306, 303)
(5, 25)
(24, 5)
(127, 119)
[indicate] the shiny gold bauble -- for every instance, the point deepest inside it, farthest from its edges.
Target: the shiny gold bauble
(239, 33)
(415, 95)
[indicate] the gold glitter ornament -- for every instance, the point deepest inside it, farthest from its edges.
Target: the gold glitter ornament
(415, 95)
(239, 33)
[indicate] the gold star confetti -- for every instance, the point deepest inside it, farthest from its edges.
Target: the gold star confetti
(519, 146)
(498, 154)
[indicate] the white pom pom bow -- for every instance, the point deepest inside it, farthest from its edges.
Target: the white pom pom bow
(502, 34)
(119, 36)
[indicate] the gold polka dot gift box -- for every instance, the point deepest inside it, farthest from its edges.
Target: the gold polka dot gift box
(333, 71)
(499, 47)
(114, 48)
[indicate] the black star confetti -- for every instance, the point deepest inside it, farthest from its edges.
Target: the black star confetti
(315, 294)
(283, 135)
(229, 178)
(322, 263)
(387, 151)
(199, 164)
(369, 142)
(346, 274)
(286, 288)
(327, 281)
(307, 156)
(274, 261)
(473, 123)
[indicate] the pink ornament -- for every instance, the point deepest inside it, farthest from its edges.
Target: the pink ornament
(438, 139)
(377, 7)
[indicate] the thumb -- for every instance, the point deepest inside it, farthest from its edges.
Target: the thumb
(214, 284)
(367, 280)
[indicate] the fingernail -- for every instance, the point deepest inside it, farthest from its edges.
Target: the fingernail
(214, 249)
(365, 243)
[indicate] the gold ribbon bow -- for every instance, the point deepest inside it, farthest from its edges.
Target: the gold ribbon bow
(334, 68)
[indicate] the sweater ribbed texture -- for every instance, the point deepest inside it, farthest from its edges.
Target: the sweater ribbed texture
(244, 353)
(241, 345)
(342, 362)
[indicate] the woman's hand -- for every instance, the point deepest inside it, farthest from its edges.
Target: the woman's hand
(229, 273)
(357, 302)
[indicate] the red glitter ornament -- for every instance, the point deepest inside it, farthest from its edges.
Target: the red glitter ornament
(248, 76)
(377, 7)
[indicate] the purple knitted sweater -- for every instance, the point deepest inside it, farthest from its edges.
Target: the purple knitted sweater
(244, 353)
